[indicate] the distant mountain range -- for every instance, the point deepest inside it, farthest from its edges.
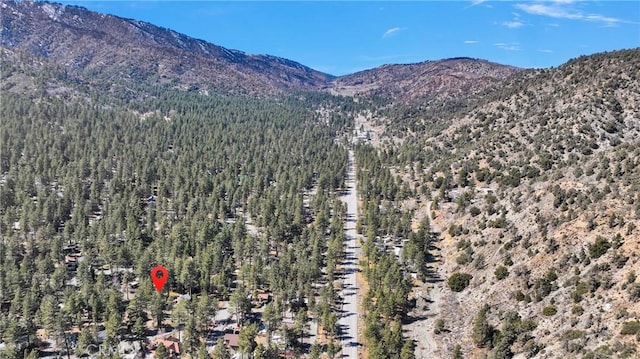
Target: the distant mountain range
(112, 46)
(431, 79)
(108, 46)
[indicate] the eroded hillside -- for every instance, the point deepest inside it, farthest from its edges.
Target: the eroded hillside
(443, 79)
(535, 190)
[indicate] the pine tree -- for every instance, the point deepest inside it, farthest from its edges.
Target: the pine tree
(408, 349)
(202, 352)
(221, 351)
(84, 340)
(246, 340)
(271, 317)
(111, 328)
(482, 331)
(158, 305)
(191, 337)
(161, 352)
(333, 349)
(315, 351)
(205, 310)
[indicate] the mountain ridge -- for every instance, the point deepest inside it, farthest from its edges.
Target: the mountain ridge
(90, 41)
(112, 46)
(434, 79)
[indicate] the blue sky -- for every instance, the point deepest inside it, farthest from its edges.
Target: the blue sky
(349, 36)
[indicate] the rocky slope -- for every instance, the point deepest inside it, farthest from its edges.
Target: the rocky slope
(536, 192)
(113, 47)
(443, 79)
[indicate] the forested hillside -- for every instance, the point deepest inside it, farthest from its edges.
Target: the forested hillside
(232, 195)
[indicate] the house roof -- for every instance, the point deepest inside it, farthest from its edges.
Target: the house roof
(232, 340)
(171, 343)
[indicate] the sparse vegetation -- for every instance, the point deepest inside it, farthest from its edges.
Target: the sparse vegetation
(600, 247)
(549, 310)
(482, 331)
(457, 352)
(501, 273)
(459, 281)
(630, 328)
(439, 326)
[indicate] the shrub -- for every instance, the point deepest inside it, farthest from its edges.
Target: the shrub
(631, 277)
(600, 247)
(439, 328)
(455, 231)
(459, 281)
(610, 127)
(482, 332)
(457, 352)
(464, 257)
(630, 328)
(634, 291)
(478, 263)
(627, 351)
(544, 286)
(577, 310)
(501, 273)
(508, 262)
(549, 310)
(500, 222)
(573, 334)
(619, 260)
(581, 289)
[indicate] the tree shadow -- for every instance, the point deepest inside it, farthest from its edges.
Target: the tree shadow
(410, 319)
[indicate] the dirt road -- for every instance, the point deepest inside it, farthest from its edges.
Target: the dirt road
(421, 330)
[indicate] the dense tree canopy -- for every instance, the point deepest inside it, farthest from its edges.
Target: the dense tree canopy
(95, 193)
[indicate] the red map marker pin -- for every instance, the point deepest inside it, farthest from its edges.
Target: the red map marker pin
(159, 276)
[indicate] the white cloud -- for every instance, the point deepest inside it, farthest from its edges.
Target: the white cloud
(478, 2)
(509, 46)
(471, 42)
(513, 24)
(546, 51)
(557, 10)
(546, 10)
(392, 31)
(606, 19)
